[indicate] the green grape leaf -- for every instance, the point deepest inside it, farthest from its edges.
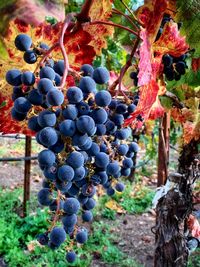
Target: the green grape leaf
(189, 14)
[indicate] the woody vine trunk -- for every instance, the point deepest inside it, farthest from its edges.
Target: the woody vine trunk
(173, 210)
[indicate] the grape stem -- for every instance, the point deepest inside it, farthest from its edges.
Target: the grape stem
(56, 217)
(114, 25)
(62, 47)
(123, 71)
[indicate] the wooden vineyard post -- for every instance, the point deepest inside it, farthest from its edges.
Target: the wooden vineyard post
(27, 174)
(163, 149)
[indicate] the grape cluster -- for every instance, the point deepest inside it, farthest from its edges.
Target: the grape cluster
(84, 139)
(174, 67)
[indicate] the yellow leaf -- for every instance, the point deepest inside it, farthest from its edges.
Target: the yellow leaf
(113, 205)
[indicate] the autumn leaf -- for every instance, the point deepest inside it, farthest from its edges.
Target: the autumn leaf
(145, 69)
(100, 10)
(113, 205)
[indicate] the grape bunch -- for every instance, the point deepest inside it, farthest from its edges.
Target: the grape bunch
(174, 67)
(85, 143)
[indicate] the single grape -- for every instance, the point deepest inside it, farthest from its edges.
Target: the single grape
(133, 147)
(73, 191)
(119, 187)
(133, 75)
(55, 97)
(85, 124)
(46, 118)
(127, 163)
(101, 129)
(110, 191)
(82, 236)
(180, 67)
(99, 115)
(123, 149)
(79, 173)
(70, 112)
(28, 78)
(45, 197)
(54, 205)
(101, 160)
(87, 145)
(123, 134)
(87, 85)
(69, 220)
(71, 256)
(79, 139)
(35, 97)
(30, 57)
(118, 119)
(88, 190)
(23, 42)
(17, 115)
(74, 95)
(75, 159)
(87, 216)
(83, 108)
(67, 127)
(103, 98)
(33, 124)
(113, 168)
(45, 85)
(47, 72)
(59, 67)
(22, 105)
(87, 70)
(46, 158)
(101, 75)
(57, 79)
(121, 108)
(48, 136)
(13, 77)
(71, 206)
(57, 236)
(43, 239)
(90, 204)
(50, 173)
(65, 173)
(131, 108)
(167, 60)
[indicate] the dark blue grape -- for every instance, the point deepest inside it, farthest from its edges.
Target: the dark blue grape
(101, 129)
(71, 206)
(113, 168)
(103, 98)
(127, 163)
(103, 176)
(47, 72)
(133, 147)
(101, 160)
(58, 146)
(87, 70)
(13, 77)
(85, 124)
(45, 197)
(33, 124)
(121, 108)
(82, 199)
(180, 67)
(35, 97)
(79, 139)
(119, 187)
(57, 236)
(55, 97)
(46, 118)
(110, 127)
(125, 172)
(113, 104)
(63, 186)
(30, 57)
(87, 145)
(69, 220)
(88, 190)
(28, 78)
(73, 191)
(131, 108)
(17, 115)
(79, 173)
(74, 95)
(43, 239)
(101, 75)
(45, 85)
(99, 115)
(82, 236)
(48, 136)
(71, 256)
(46, 158)
(54, 205)
(57, 79)
(110, 191)
(70, 112)
(90, 204)
(83, 108)
(167, 60)
(23, 42)
(123, 149)
(123, 134)
(133, 75)
(94, 149)
(22, 105)
(50, 173)
(65, 173)
(87, 85)
(75, 159)
(59, 67)
(87, 216)
(67, 127)
(118, 119)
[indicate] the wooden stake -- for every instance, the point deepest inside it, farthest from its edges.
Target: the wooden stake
(163, 149)
(27, 174)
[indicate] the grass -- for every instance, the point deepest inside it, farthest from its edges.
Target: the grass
(16, 234)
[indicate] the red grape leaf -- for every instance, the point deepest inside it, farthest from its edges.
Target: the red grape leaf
(148, 98)
(151, 15)
(100, 10)
(145, 69)
(193, 226)
(170, 41)
(195, 64)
